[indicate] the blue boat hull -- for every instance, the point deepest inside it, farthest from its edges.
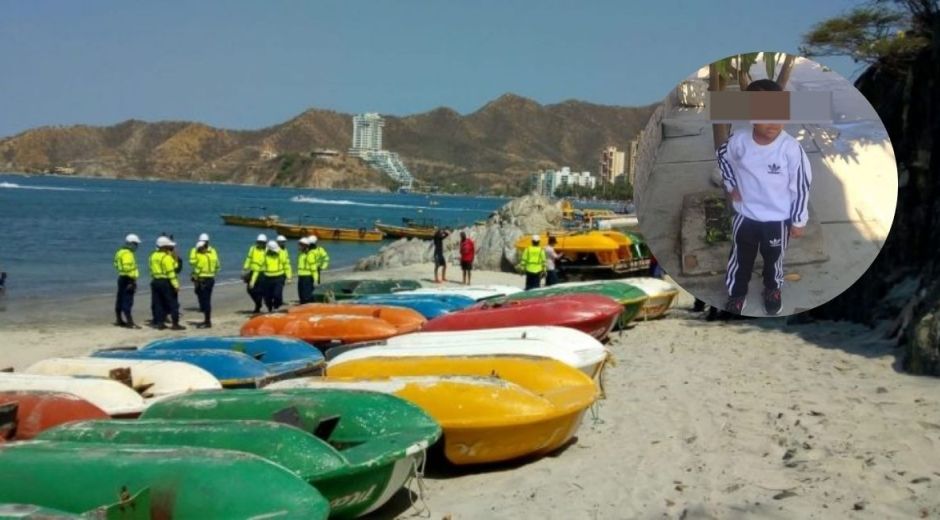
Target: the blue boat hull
(429, 306)
(282, 355)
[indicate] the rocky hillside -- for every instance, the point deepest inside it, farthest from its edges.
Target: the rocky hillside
(494, 147)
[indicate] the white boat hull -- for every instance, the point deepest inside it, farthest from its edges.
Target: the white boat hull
(158, 378)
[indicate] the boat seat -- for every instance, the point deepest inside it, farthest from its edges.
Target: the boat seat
(8, 413)
(325, 427)
(291, 417)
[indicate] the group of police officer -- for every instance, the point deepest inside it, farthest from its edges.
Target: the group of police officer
(266, 269)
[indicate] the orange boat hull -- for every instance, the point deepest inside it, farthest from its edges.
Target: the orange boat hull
(405, 320)
(38, 411)
(321, 329)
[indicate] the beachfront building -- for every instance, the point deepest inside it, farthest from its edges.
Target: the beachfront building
(547, 181)
(367, 145)
(612, 164)
(632, 150)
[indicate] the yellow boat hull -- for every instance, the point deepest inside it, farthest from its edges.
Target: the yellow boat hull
(325, 233)
(529, 406)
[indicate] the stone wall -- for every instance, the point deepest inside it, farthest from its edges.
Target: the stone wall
(648, 144)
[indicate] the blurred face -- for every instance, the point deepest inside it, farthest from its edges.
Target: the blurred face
(767, 132)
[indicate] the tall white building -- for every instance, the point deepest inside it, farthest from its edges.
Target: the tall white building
(612, 164)
(367, 133)
(547, 181)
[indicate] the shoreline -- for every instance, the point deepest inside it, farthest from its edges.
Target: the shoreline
(700, 419)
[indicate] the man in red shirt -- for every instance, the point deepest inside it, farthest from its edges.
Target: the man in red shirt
(466, 257)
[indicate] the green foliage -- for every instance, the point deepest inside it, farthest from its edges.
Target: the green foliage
(870, 34)
(619, 190)
(717, 220)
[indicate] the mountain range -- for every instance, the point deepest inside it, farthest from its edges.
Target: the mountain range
(494, 148)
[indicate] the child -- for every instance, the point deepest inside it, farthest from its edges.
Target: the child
(767, 174)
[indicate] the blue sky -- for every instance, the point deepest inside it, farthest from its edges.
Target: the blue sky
(249, 64)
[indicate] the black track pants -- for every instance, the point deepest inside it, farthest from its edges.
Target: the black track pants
(749, 237)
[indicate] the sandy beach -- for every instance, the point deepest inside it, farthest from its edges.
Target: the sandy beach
(701, 419)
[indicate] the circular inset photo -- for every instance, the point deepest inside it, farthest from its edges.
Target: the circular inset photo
(773, 188)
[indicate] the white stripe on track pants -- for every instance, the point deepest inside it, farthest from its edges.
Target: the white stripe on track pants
(749, 237)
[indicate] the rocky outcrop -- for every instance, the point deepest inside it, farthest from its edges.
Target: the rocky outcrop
(908, 102)
(495, 241)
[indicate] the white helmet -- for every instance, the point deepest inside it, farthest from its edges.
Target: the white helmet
(132, 239)
(201, 243)
(312, 239)
(261, 238)
(273, 247)
(281, 238)
(536, 238)
(304, 241)
(204, 237)
(165, 242)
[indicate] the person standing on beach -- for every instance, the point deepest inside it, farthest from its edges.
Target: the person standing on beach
(533, 263)
(205, 267)
(125, 263)
(288, 270)
(204, 237)
(253, 262)
(551, 259)
(768, 177)
(164, 285)
(304, 272)
(317, 258)
(467, 253)
(269, 280)
(439, 262)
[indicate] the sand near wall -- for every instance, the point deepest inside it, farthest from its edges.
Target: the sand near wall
(737, 419)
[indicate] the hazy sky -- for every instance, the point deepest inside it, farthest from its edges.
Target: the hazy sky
(248, 64)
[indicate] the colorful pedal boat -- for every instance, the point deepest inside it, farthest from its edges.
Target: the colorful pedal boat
(587, 356)
(590, 313)
(322, 329)
(355, 481)
(510, 407)
(282, 356)
(116, 399)
(476, 292)
(149, 378)
(38, 411)
(404, 319)
(232, 369)
(428, 305)
(353, 288)
(182, 482)
(381, 433)
(631, 298)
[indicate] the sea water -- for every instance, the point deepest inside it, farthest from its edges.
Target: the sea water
(58, 235)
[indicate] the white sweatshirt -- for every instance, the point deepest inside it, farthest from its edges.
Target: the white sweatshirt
(773, 179)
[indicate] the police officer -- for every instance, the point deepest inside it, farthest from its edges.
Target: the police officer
(125, 263)
(205, 267)
(288, 270)
(269, 279)
(304, 272)
(253, 262)
(164, 285)
(533, 264)
(317, 258)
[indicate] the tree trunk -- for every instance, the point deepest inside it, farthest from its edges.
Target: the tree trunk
(785, 69)
(720, 132)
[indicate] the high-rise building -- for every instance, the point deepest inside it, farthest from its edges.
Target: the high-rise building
(632, 150)
(546, 182)
(612, 164)
(367, 133)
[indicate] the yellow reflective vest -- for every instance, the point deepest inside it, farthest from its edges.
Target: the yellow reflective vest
(125, 263)
(533, 260)
(205, 265)
(254, 259)
(285, 257)
(303, 264)
(317, 260)
(273, 265)
(209, 250)
(163, 267)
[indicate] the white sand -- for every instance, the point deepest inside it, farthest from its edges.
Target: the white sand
(702, 420)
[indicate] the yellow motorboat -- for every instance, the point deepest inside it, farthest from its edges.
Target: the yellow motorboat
(267, 221)
(593, 250)
(328, 233)
(491, 408)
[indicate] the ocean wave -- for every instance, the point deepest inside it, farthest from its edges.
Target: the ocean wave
(10, 185)
(342, 202)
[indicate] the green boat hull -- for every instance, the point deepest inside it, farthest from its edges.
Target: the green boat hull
(376, 443)
(630, 297)
(182, 482)
(348, 289)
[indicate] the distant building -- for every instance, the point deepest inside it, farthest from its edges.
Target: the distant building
(367, 145)
(612, 164)
(548, 181)
(631, 160)
(267, 155)
(367, 133)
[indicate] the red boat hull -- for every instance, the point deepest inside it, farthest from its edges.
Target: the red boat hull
(38, 411)
(589, 313)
